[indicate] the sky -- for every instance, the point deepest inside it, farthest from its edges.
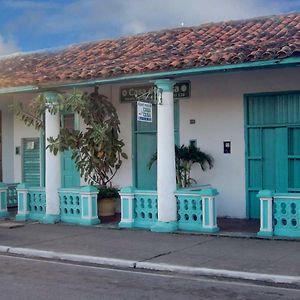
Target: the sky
(30, 25)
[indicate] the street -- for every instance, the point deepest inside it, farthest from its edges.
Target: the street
(23, 278)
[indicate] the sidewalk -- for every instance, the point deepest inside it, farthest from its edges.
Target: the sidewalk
(243, 258)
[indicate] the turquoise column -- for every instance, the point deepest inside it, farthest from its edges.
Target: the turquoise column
(209, 212)
(23, 205)
(88, 199)
(127, 207)
(266, 213)
(3, 200)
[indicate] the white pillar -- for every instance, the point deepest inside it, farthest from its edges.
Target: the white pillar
(52, 164)
(127, 207)
(166, 173)
(266, 213)
(88, 199)
(23, 205)
(209, 213)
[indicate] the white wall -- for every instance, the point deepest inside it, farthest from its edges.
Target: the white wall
(217, 106)
(20, 131)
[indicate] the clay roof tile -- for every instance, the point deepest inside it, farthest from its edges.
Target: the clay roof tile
(180, 48)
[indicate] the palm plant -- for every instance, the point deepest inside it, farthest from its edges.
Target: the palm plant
(185, 158)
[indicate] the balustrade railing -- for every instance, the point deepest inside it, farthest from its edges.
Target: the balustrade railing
(36, 198)
(12, 197)
(189, 210)
(145, 208)
(196, 210)
(79, 205)
(286, 215)
(31, 203)
(70, 205)
(279, 214)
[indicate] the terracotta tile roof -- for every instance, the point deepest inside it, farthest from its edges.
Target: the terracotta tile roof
(175, 49)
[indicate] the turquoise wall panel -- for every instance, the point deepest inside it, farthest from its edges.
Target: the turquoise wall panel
(206, 211)
(3, 200)
(94, 206)
(125, 208)
(265, 212)
(21, 201)
(85, 206)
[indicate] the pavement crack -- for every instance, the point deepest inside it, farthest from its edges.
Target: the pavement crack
(175, 251)
(156, 256)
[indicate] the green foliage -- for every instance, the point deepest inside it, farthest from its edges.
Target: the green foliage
(32, 114)
(108, 192)
(97, 151)
(185, 157)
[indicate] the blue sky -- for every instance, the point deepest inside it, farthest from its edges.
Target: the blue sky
(29, 25)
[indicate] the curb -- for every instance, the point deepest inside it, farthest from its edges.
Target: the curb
(52, 255)
(162, 267)
(220, 273)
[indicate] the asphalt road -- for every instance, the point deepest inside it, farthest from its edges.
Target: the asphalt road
(23, 278)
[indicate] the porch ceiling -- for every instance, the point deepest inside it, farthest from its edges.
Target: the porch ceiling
(209, 45)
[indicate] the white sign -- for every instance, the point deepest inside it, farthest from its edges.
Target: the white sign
(144, 111)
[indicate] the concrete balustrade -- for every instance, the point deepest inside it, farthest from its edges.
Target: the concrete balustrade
(3, 200)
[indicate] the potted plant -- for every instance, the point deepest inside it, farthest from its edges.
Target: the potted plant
(107, 201)
(185, 158)
(96, 150)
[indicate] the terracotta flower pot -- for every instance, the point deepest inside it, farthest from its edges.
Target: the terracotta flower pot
(107, 207)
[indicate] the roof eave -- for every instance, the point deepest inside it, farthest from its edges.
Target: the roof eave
(275, 63)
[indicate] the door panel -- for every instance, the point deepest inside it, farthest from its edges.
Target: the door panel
(273, 145)
(268, 159)
(70, 176)
(145, 145)
(281, 146)
(294, 159)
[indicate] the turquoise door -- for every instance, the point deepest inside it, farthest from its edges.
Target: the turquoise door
(145, 145)
(31, 162)
(273, 145)
(70, 176)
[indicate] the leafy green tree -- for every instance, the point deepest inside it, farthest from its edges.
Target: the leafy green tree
(96, 150)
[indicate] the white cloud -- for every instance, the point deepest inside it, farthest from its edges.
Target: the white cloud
(135, 16)
(28, 4)
(7, 46)
(95, 19)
